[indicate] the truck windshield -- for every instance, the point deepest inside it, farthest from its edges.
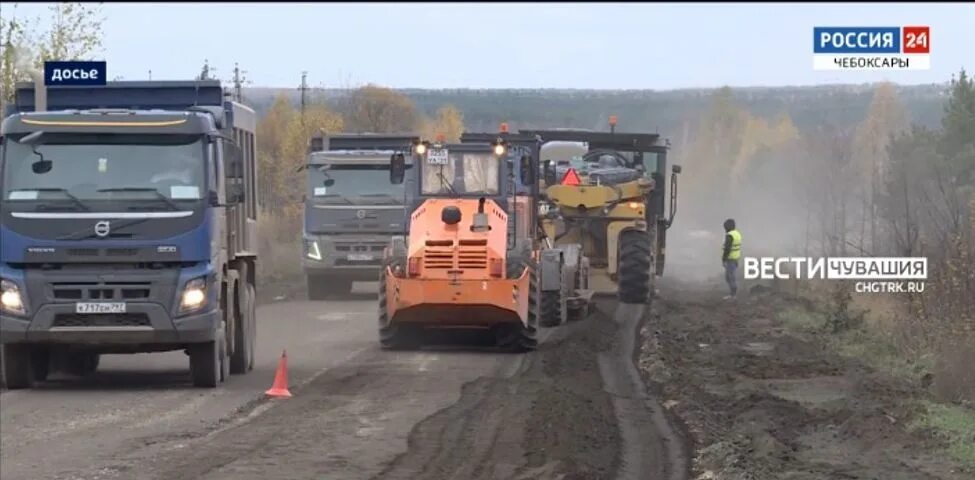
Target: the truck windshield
(97, 168)
(460, 173)
(356, 184)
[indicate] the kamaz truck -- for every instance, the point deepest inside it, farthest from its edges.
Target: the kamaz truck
(129, 217)
(352, 209)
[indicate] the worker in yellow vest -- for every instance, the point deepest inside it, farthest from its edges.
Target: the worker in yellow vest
(730, 256)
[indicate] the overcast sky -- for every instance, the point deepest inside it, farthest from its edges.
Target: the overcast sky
(573, 45)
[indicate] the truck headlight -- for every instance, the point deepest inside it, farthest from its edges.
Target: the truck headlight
(10, 299)
(194, 295)
(312, 251)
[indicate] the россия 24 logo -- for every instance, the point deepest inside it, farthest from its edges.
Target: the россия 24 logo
(872, 48)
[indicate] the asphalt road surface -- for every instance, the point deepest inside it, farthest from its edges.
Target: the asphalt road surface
(572, 409)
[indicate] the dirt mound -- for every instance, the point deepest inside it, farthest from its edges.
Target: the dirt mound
(761, 402)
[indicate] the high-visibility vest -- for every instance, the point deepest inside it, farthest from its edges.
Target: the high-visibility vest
(735, 252)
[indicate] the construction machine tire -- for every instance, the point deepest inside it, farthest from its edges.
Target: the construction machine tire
(551, 308)
(634, 267)
(523, 338)
(653, 264)
(393, 337)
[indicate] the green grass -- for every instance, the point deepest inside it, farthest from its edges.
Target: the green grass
(954, 424)
(876, 351)
(880, 354)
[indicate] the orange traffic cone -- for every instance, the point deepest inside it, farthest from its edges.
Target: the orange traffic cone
(280, 387)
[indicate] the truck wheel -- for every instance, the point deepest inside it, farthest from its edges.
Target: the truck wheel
(240, 359)
(40, 358)
(18, 371)
(634, 267)
(252, 316)
(316, 288)
(205, 363)
(224, 361)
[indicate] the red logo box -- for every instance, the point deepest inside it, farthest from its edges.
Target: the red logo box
(916, 39)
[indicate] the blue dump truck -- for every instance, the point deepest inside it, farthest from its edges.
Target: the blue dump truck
(352, 209)
(129, 218)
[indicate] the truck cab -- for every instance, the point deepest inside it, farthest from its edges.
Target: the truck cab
(129, 226)
(351, 210)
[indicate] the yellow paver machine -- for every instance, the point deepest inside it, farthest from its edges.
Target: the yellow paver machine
(612, 201)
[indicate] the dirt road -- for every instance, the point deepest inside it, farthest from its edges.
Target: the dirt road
(573, 409)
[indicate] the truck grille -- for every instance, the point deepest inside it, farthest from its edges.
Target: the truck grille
(100, 320)
(73, 291)
(353, 248)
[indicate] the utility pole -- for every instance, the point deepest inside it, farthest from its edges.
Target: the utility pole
(303, 88)
(237, 94)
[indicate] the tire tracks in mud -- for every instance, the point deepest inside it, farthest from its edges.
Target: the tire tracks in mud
(575, 409)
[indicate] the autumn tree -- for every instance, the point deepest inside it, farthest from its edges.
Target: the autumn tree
(712, 155)
(886, 118)
(379, 110)
(284, 137)
(928, 205)
(74, 32)
(448, 121)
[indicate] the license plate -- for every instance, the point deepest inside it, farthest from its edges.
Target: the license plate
(438, 156)
(100, 307)
(360, 257)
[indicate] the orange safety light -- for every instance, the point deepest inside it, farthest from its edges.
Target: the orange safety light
(571, 178)
(612, 119)
(504, 127)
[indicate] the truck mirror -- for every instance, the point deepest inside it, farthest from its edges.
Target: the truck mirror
(550, 176)
(397, 168)
(675, 169)
(329, 182)
(235, 193)
(34, 139)
(527, 170)
(213, 198)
